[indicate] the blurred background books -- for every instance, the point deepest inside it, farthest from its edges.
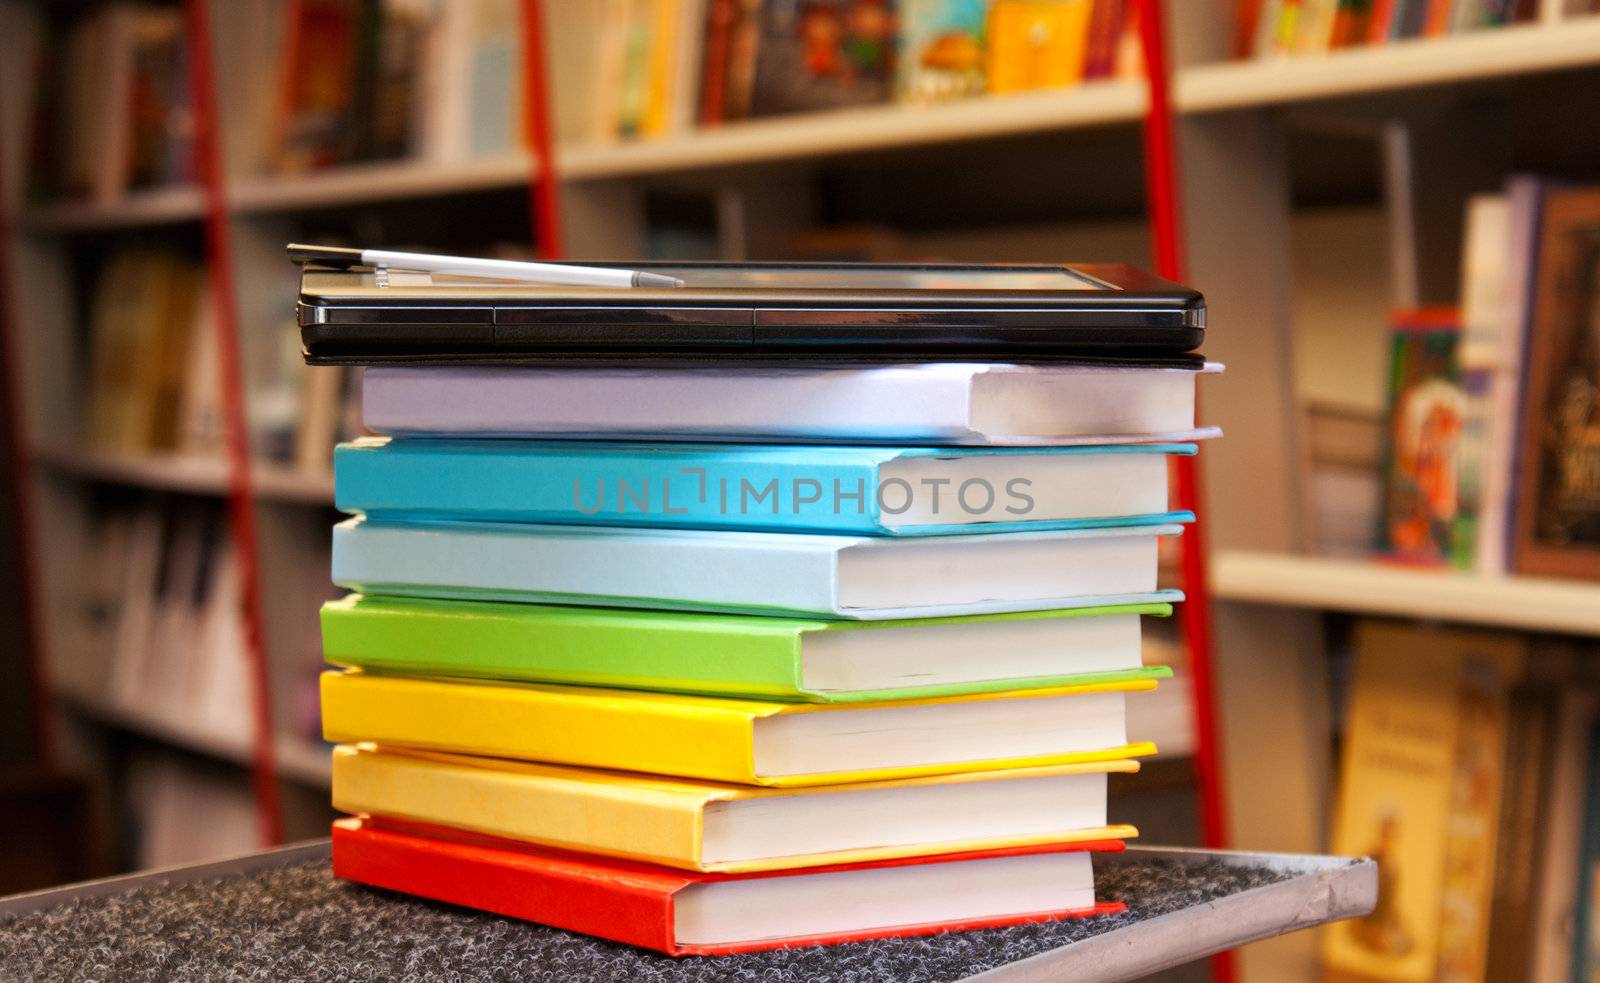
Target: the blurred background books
(1344, 161)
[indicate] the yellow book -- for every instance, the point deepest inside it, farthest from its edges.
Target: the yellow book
(664, 17)
(748, 742)
(1036, 44)
(710, 826)
(1420, 792)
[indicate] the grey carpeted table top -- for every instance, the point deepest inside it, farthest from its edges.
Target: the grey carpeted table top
(297, 923)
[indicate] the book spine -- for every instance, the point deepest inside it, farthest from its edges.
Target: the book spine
(566, 726)
(565, 897)
(1105, 26)
(714, 65)
(1380, 23)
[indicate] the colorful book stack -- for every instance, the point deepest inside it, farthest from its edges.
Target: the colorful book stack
(711, 661)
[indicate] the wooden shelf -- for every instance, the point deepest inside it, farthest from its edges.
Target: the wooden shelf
(299, 758)
(1366, 587)
(1395, 67)
(194, 475)
(377, 181)
(863, 129)
(157, 207)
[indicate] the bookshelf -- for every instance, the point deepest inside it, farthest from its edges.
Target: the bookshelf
(156, 207)
(1398, 70)
(1391, 69)
(1239, 123)
(1367, 587)
(194, 475)
(298, 758)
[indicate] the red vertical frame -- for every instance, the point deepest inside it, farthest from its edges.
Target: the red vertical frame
(1164, 200)
(544, 179)
(241, 497)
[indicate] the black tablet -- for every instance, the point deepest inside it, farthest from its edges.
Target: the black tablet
(754, 310)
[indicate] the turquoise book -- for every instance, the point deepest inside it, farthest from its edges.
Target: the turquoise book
(861, 491)
(801, 660)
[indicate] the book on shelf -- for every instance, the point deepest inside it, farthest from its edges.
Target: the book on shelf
(146, 305)
(1585, 948)
(683, 913)
(1506, 397)
(851, 577)
(822, 54)
(1423, 516)
(936, 403)
(156, 624)
(1271, 28)
(349, 82)
(1420, 789)
(715, 827)
(1036, 44)
(736, 655)
(154, 379)
(941, 49)
(1559, 836)
(746, 742)
(1557, 511)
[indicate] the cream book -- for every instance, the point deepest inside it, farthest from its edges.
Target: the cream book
(712, 826)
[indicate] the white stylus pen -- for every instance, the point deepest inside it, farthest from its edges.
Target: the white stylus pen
(504, 269)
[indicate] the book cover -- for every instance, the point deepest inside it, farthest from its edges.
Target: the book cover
(1422, 518)
(894, 491)
(620, 900)
(675, 651)
(1036, 44)
(661, 820)
(823, 54)
(1558, 476)
(941, 49)
(840, 577)
(662, 733)
(1420, 785)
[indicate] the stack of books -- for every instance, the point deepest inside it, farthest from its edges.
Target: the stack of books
(715, 660)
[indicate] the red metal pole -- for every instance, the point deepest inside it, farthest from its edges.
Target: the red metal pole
(20, 462)
(1164, 196)
(544, 181)
(241, 500)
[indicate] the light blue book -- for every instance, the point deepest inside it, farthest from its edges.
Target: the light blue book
(872, 491)
(840, 577)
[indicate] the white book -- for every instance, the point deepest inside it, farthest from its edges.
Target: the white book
(853, 577)
(131, 654)
(1512, 322)
(944, 403)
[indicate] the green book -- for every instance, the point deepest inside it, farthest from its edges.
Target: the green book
(791, 659)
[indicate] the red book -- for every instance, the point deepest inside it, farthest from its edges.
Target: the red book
(1437, 24)
(1380, 24)
(714, 62)
(1106, 20)
(682, 913)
